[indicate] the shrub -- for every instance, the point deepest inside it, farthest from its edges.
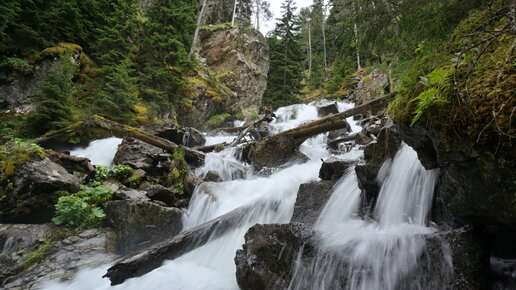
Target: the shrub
(121, 171)
(82, 208)
(217, 120)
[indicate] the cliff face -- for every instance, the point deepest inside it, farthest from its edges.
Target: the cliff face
(232, 79)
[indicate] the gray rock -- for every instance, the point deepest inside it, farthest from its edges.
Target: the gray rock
(334, 168)
(469, 267)
(33, 197)
(163, 194)
(273, 153)
(267, 258)
(180, 135)
(125, 193)
(212, 176)
(239, 59)
(86, 249)
(372, 86)
(140, 155)
(324, 108)
(140, 224)
(77, 166)
(310, 201)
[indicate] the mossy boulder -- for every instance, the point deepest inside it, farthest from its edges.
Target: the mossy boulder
(29, 183)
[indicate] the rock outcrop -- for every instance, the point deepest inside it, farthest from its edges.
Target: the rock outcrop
(15, 96)
(42, 253)
(33, 196)
(310, 201)
(232, 78)
(140, 224)
(372, 86)
(267, 258)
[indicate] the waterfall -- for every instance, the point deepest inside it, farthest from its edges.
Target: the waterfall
(212, 266)
(365, 254)
(100, 152)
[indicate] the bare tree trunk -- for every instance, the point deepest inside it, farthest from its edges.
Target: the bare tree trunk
(324, 36)
(234, 13)
(199, 21)
(355, 30)
(258, 15)
(309, 51)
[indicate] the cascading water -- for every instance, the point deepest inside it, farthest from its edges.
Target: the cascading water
(375, 254)
(363, 254)
(100, 152)
(272, 197)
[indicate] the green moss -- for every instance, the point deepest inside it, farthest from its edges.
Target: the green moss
(37, 255)
(217, 120)
(14, 154)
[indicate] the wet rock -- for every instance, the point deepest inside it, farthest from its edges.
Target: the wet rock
(325, 108)
(125, 193)
(164, 194)
(339, 133)
(139, 224)
(363, 139)
(267, 258)
(77, 166)
(371, 87)
(503, 272)
(33, 196)
(65, 257)
(272, 153)
(375, 154)
(333, 168)
(310, 201)
(180, 135)
(140, 155)
(476, 185)
(212, 176)
(454, 259)
(15, 238)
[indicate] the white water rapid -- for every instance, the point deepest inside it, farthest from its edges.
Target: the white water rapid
(100, 152)
(372, 254)
(385, 247)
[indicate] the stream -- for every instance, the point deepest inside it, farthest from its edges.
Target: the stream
(387, 244)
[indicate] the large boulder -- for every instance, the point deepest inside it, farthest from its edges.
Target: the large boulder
(310, 201)
(334, 168)
(476, 185)
(272, 152)
(33, 195)
(325, 108)
(377, 152)
(453, 259)
(140, 155)
(267, 258)
(371, 87)
(47, 253)
(78, 166)
(140, 224)
(180, 135)
(232, 77)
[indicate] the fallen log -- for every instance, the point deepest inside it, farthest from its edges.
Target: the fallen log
(152, 258)
(280, 148)
(120, 130)
(343, 139)
(266, 118)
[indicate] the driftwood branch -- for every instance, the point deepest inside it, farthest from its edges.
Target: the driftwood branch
(150, 259)
(266, 118)
(343, 139)
(192, 156)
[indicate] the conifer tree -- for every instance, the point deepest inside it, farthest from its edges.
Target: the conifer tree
(53, 104)
(286, 59)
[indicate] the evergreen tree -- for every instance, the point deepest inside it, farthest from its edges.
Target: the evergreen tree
(163, 54)
(53, 104)
(286, 59)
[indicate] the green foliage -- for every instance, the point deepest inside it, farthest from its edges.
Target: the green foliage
(424, 101)
(37, 255)
(14, 154)
(54, 102)
(121, 172)
(217, 120)
(82, 209)
(286, 60)
(101, 173)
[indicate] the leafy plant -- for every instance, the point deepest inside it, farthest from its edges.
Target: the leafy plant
(121, 171)
(217, 120)
(82, 208)
(101, 172)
